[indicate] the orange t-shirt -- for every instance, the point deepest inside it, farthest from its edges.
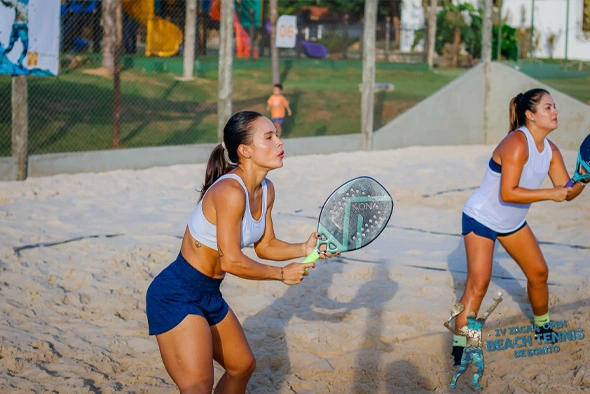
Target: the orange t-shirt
(277, 106)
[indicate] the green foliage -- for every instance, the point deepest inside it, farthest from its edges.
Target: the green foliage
(290, 7)
(333, 41)
(354, 8)
(450, 18)
(509, 48)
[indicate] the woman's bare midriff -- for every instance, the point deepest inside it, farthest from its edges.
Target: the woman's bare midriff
(201, 257)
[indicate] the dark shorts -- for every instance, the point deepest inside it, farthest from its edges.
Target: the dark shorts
(469, 225)
(180, 290)
(278, 120)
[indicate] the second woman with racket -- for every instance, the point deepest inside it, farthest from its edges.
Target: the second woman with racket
(192, 322)
(497, 210)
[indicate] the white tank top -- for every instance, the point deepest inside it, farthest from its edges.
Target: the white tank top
(486, 206)
(252, 230)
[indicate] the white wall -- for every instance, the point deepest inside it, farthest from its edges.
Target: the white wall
(412, 18)
(454, 115)
(550, 17)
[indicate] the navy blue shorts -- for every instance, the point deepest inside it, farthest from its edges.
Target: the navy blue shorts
(180, 290)
(278, 120)
(469, 225)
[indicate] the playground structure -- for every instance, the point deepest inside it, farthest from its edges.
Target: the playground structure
(313, 50)
(243, 40)
(163, 38)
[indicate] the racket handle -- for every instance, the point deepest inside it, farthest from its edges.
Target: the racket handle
(570, 183)
(312, 257)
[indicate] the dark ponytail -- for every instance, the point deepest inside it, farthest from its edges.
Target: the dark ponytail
(523, 102)
(224, 158)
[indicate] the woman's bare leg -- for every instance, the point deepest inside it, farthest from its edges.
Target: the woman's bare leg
(523, 247)
(480, 254)
(187, 353)
(232, 352)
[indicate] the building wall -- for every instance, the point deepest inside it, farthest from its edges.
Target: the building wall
(412, 19)
(549, 18)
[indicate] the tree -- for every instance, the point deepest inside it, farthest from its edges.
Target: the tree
(431, 38)
(456, 24)
(274, 51)
(109, 25)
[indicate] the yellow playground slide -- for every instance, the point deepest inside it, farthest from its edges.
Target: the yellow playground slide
(163, 38)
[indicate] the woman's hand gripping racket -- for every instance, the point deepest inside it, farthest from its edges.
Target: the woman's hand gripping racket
(352, 217)
(582, 163)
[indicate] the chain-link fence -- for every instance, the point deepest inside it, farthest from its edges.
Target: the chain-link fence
(321, 75)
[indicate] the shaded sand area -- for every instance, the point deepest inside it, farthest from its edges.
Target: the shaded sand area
(77, 253)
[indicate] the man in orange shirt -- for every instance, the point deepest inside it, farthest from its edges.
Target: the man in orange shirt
(277, 103)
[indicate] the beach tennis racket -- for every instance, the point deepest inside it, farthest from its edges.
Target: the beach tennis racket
(352, 216)
(583, 161)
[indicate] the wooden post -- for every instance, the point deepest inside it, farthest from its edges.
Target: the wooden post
(431, 34)
(274, 51)
(252, 32)
(532, 36)
(116, 141)
(345, 37)
(202, 29)
(224, 91)
(499, 49)
(190, 30)
(387, 37)
(567, 32)
(20, 125)
(368, 93)
(486, 39)
(486, 57)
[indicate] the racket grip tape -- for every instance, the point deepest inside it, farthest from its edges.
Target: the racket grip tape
(570, 183)
(312, 257)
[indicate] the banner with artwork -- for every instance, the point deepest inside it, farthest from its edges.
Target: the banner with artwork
(29, 37)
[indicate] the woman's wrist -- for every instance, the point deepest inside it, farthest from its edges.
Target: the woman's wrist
(303, 250)
(282, 275)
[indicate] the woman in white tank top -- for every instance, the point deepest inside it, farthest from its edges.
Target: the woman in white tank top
(518, 166)
(192, 322)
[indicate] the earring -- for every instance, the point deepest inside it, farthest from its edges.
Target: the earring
(533, 120)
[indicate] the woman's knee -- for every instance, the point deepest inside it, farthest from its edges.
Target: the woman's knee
(245, 368)
(540, 276)
(197, 385)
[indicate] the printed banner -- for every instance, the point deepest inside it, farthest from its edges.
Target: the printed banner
(29, 37)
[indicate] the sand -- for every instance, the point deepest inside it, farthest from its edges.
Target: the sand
(77, 253)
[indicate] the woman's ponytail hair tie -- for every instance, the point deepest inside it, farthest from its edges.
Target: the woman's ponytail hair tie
(226, 155)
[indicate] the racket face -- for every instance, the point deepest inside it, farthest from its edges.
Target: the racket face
(584, 152)
(354, 215)
(583, 160)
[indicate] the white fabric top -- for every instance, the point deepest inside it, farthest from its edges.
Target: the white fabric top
(486, 205)
(252, 230)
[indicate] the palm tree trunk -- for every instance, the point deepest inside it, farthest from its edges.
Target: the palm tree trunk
(109, 26)
(274, 51)
(456, 46)
(431, 33)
